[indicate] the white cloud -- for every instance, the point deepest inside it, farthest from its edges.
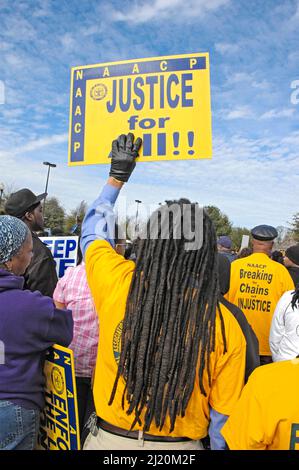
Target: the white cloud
(43, 9)
(69, 42)
(293, 57)
(18, 28)
(239, 77)
(226, 48)
(292, 139)
(248, 179)
(295, 18)
(278, 113)
(69, 185)
(42, 142)
(240, 112)
(250, 78)
(147, 11)
(2, 92)
(262, 85)
(13, 60)
(9, 114)
(4, 46)
(33, 145)
(90, 30)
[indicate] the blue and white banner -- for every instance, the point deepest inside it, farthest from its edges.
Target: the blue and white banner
(64, 251)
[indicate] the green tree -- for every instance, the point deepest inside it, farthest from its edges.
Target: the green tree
(223, 225)
(295, 227)
(6, 191)
(76, 217)
(237, 234)
(54, 215)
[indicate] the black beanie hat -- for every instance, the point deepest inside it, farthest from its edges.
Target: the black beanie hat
(293, 254)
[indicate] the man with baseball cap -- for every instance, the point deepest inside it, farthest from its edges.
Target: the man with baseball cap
(257, 283)
(291, 262)
(224, 245)
(41, 273)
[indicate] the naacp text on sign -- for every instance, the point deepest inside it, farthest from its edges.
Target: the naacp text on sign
(163, 100)
(59, 424)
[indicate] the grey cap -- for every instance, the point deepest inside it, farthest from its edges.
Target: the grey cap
(264, 233)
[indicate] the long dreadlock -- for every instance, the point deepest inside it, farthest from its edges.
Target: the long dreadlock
(295, 298)
(169, 324)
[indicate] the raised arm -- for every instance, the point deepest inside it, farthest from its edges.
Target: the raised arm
(99, 222)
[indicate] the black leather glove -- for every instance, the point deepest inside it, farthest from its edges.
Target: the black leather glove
(124, 152)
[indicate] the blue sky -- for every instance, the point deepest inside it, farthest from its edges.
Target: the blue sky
(254, 53)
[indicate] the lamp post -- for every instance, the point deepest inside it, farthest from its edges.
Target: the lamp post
(1, 192)
(136, 220)
(49, 165)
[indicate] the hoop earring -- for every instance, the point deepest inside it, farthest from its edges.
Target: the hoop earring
(9, 269)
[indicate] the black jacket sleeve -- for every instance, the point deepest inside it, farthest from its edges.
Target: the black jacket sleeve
(41, 273)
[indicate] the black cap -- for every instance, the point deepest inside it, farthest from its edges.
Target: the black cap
(264, 233)
(293, 254)
(19, 203)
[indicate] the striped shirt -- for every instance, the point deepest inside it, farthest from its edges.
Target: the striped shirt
(73, 291)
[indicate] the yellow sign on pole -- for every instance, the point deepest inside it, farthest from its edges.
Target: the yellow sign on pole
(59, 425)
(163, 100)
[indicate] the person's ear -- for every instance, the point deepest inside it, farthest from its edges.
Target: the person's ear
(29, 216)
(8, 265)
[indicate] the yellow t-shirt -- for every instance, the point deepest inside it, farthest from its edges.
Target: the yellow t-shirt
(267, 415)
(109, 276)
(256, 285)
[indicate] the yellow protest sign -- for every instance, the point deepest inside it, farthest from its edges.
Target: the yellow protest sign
(59, 425)
(163, 100)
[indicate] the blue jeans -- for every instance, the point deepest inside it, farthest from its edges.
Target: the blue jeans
(18, 427)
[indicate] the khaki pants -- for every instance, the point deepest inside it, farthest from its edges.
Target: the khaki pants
(107, 441)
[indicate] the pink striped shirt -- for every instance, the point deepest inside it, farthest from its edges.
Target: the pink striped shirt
(72, 290)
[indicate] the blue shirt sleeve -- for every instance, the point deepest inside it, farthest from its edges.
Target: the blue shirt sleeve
(99, 221)
(217, 422)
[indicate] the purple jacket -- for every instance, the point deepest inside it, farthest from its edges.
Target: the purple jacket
(29, 325)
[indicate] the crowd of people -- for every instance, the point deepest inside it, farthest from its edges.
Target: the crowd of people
(175, 348)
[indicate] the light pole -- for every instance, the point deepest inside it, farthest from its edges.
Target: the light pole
(49, 165)
(136, 225)
(1, 192)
